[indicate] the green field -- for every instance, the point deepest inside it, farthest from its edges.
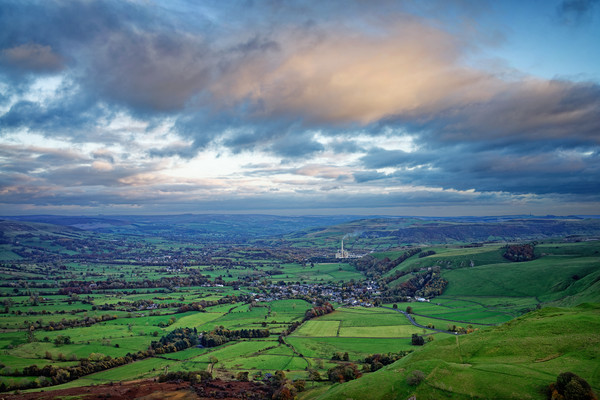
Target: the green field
(129, 292)
(318, 328)
(512, 361)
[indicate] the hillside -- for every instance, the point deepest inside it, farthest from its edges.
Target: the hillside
(190, 226)
(513, 361)
(373, 233)
(386, 232)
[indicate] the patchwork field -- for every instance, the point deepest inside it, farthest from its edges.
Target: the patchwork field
(513, 361)
(94, 309)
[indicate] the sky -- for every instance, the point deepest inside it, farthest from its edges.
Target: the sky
(430, 108)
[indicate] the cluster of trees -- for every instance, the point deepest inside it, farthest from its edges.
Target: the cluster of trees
(520, 252)
(339, 356)
(343, 373)
(74, 323)
(372, 266)
(569, 386)
(220, 335)
(283, 388)
(374, 362)
(317, 311)
(187, 376)
(67, 290)
(202, 304)
(57, 375)
(293, 326)
(176, 340)
(426, 253)
(181, 307)
(114, 283)
(61, 340)
(460, 329)
(426, 284)
(417, 340)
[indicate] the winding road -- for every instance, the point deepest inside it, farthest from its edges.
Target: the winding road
(412, 321)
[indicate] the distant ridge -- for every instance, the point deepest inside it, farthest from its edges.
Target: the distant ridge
(399, 230)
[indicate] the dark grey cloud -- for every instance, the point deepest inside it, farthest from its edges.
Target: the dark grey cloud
(25, 160)
(265, 77)
(306, 199)
(381, 158)
(296, 145)
(344, 145)
(562, 171)
(523, 112)
(541, 138)
(574, 12)
(152, 71)
(74, 116)
(31, 58)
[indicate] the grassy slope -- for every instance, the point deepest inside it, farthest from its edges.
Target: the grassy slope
(550, 278)
(512, 361)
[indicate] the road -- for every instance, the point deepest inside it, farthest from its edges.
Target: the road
(412, 321)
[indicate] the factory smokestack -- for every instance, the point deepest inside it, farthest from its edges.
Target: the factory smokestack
(341, 253)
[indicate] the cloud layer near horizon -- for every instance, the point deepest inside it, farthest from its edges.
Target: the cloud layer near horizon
(146, 105)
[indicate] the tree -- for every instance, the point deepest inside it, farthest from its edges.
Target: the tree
(300, 385)
(409, 310)
(417, 340)
(395, 306)
(314, 375)
(213, 360)
(278, 378)
(30, 335)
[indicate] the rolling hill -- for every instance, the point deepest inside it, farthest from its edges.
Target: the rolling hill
(516, 360)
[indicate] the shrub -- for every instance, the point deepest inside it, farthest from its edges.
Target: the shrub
(569, 386)
(415, 377)
(300, 385)
(343, 373)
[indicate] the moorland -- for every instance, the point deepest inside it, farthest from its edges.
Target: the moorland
(434, 308)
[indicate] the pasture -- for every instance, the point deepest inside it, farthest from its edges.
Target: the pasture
(484, 289)
(512, 361)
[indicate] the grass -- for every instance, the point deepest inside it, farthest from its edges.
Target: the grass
(398, 331)
(512, 361)
(194, 320)
(484, 288)
(549, 278)
(318, 328)
(357, 348)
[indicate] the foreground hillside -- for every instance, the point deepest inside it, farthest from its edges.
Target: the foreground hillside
(513, 361)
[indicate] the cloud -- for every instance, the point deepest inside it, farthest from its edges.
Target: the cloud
(324, 171)
(296, 145)
(149, 70)
(322, 95)
(381, 158)
(529, 110)
(574, 12)
(32, 58)
(502, 170)
(71, 114)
